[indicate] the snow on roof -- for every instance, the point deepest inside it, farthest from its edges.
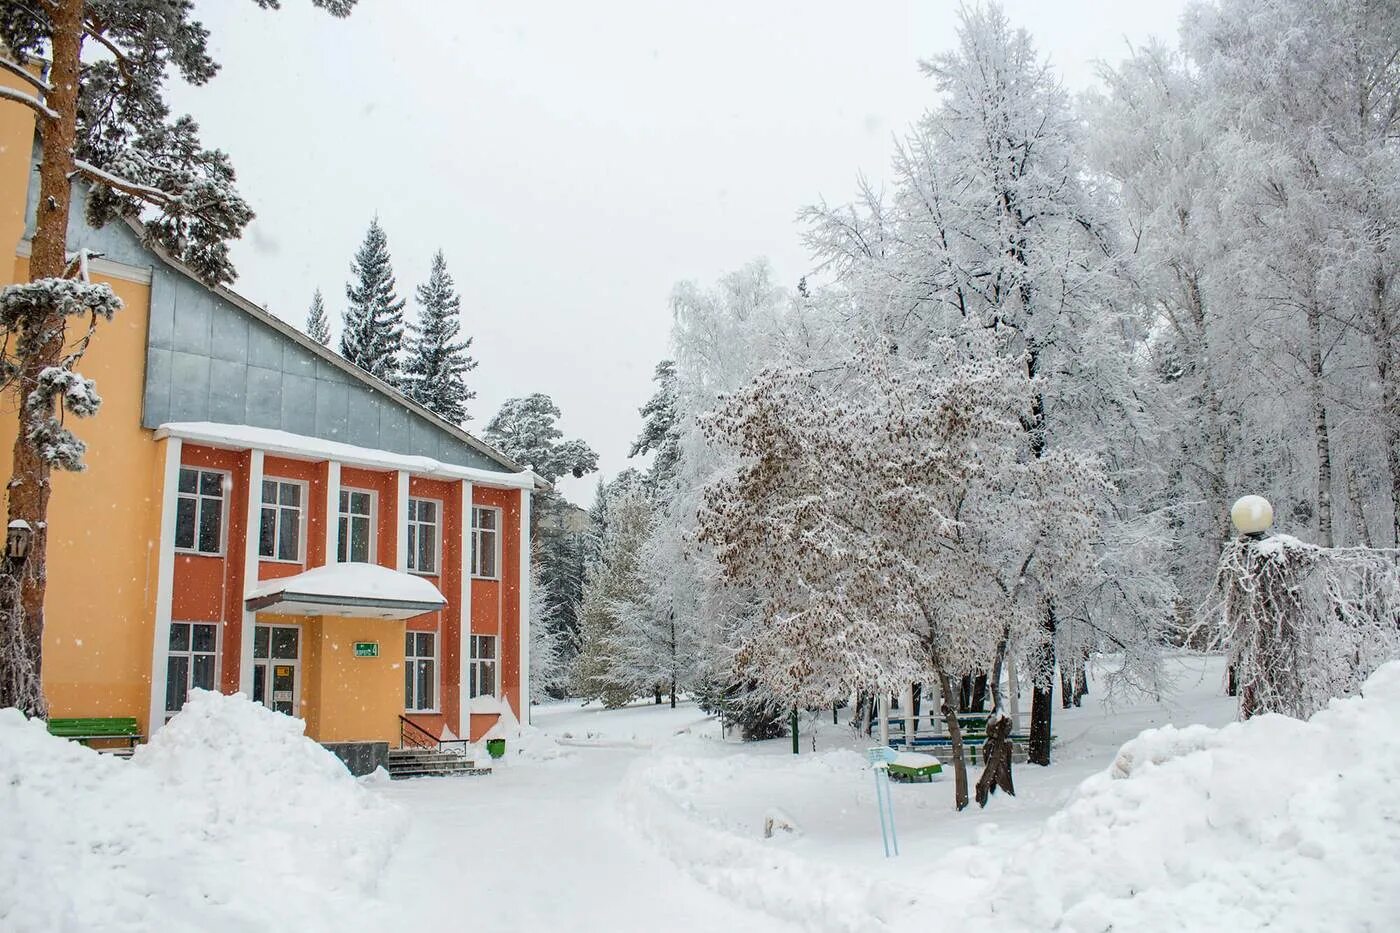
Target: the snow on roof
(300, 446)
(350, 589)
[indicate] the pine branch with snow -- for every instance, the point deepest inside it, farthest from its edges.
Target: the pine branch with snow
(372, 328)
(318, 328)
(436, 362)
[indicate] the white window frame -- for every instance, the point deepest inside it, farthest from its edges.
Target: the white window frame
(411, 672)
(302, 512)
(437, 537)
(496, 533)
(476, 663)
(373, 523)
(189, 654)
(225, 482)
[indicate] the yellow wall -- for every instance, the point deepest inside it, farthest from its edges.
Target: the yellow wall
(16, 153)
(359, 698)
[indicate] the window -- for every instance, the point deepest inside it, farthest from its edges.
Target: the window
(486, 535)
(279, 537)
(199, 511)
(482, 673)
(423, 535)
(420, 671)
(191, 661)
(356, 527)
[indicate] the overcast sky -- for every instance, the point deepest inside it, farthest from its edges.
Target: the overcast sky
(575, 160)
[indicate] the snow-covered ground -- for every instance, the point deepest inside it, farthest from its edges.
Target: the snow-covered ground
(646, 818)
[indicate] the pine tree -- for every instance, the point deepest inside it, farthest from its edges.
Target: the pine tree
(526, 430)
(660, 427)
(101, 118)
(372, 335)
(317, 327)
(436, 363)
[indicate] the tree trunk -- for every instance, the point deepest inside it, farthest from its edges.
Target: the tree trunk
(21, 666)
(673, 693)
(1081, 678)
(917, 705)
(1042, 690)
(657, 691)
(979, 693)
(950, 718)
(1387, 340)
(965, 694)
(1320, 432)
(1066, 686)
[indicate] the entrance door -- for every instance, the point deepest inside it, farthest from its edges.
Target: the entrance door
(277, 668)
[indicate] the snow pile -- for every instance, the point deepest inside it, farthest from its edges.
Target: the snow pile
(362, 581)
(229, 819)
(1274, 822)
(751, 871)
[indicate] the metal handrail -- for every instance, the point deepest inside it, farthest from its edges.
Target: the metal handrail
(419, 737)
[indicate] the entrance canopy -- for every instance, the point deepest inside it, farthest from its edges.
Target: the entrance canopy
(365, 591)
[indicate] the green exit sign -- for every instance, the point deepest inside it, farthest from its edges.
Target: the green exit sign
(366, 649)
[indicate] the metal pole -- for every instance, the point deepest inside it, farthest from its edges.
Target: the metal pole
(794, 730)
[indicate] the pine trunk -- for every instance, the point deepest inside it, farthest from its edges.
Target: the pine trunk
(950, 718)
(1320, 432)
(21, 664)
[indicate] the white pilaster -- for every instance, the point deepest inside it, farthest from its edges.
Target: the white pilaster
(165, 581)
(884, 706)
(464, 603)
(524, 710)
(250, 572)
(401, 522)
(907, 701)
(333, 512)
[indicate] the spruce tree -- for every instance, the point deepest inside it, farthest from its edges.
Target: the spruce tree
(436, 363)
(373, 333)
(317, 327)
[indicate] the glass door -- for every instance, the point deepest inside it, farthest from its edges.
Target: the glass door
(277, 668)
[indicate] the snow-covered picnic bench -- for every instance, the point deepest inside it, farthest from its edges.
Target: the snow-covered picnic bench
(89, 729)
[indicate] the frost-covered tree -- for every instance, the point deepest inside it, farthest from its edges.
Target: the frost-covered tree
(660, 427)
(372, 326)
(527, 430)
(548, 668)
(992, 239)
(318, 328)
(101, 118)
(615, 579)
(436, 362)
(896, 533)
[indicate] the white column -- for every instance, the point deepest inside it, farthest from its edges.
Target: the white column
(333, 511)
(524, 605)
(250, 572)
(464, 604)
(1014, 695)
(935, 688)
(165, 581)
(401, 522)
(884, 718)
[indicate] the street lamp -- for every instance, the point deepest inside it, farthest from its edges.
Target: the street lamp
(17, 538)
(1252, 516)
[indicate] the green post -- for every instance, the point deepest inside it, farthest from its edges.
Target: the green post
(794, 730)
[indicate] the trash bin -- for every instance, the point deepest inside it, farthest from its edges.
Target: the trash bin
(496, 748)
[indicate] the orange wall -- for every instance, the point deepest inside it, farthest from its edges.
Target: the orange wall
(496, 603)
(16, 156)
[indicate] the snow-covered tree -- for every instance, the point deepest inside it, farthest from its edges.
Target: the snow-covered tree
(660, 427)
(372, 328)
(318, 328)
(993, 240)
(527, 430)
(548, 668)
(894, 530)
(436, 362)
(615, 579)
(101, 119)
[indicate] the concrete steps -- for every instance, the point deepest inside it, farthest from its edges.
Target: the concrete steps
(426, 762)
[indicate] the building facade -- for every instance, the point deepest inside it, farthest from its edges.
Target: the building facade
(259, 516)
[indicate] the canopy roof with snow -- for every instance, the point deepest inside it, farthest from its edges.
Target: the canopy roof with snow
(365, 591)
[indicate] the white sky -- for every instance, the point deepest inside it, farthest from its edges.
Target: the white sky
(575, 160)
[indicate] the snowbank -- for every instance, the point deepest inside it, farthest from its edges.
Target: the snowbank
(1273, 823)
(229, 819)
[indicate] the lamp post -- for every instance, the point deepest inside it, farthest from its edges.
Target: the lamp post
(17, 538)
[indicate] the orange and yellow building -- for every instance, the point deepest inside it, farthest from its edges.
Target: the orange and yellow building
(259, 515)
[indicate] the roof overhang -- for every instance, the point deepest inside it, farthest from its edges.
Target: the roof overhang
(357, 591)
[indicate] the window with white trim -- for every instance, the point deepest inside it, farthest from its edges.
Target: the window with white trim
(420, 671)
(191, 660)
(283, 511)
(486, 542)
(424, 517)
(199, 511)
(481, 681)
(356, 527)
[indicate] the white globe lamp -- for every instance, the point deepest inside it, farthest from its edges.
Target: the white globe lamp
(1252, 515)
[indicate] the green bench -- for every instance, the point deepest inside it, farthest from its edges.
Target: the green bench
(89, 729)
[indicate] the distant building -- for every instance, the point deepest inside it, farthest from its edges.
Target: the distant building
(565, 517)
(259, 515)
